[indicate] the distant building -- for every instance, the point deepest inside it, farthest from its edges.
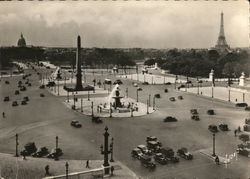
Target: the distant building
(21, 42)
(222, 45)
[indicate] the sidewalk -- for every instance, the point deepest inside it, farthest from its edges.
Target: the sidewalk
(34, 168)
(208, 152)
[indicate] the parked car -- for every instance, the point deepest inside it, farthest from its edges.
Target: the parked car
(169, 154)
(23, 88)
(145, 83)
(14, 103)
(107, 81)
(172, 99)
(17, 92)
(160, 159)
(135, 85)
(146, 162)
(96, 120)
(154, 146)
(181, 86)
(42, 95)
(213, 128)
(194, 111)
(75, 123)
(6, 98)
(42, 86)
(51, 84)
(23, 102)
(195, 117)
(136, 153)
(55, 153)
(157, 96)
(223, 127)
(183, 152)
(247, 121)
(139, 89)
(244, 137)
(241, 105)
(210, 112)
(144, 149)
(166, 90)
(119, 82)
(180, 97)
(7, 82)
(26, 98)
(247, 108)
(43, 151)
(170, 119)
(168, 83)
(246, 128)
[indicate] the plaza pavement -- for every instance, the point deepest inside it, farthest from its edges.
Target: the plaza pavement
(44, 118)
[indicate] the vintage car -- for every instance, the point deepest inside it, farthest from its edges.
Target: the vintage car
(145, 83)
(144, 149)
(154, 146)
(168, 83)
(51, 84)
(213, 128)
(244, 137)
(55, 153)
(194, 111)
(210, 112)
(195, 117)
(42, 95)
(29, 84)
(17, 92)
(157, 96)
(139, 89)
(146, 162)
(135, 85)
(26, 98)
(136, 153)
(42, 86)
(14, 103)
(6, 98)
(96, 120)
(107, 81)
(183, 152)
(172, 98)
(166, 90)
(246, 128)
(23, 88)
(160, 159)
(241, 105)
(223, 127)
(7, 82)
(170, 119)
(23, 102)
(247, 121)
(119, 82)
(168, 153)
(43, 151)
(75, 124)
(180, 97)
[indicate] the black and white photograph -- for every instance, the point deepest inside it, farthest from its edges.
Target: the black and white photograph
(125, 89)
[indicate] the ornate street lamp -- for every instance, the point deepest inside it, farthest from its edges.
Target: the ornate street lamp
(105, 151)
(67, 170)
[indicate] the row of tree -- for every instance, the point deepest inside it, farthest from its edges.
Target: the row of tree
(200, 62)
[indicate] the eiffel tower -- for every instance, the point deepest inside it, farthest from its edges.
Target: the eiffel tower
(222, 45)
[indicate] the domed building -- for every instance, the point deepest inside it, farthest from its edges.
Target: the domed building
(21, 42)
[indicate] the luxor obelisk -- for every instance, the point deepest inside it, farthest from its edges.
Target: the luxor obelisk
(78, 86)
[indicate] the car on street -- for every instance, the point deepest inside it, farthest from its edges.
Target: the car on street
(17, 92)
(136, 153)
(7, 82)
(139, 89)
(26, 98)
(194, 111)
(213, 128)
(55, 153)
(96, 119)
(180, 97)
(160, 159)
(168, 153)
(119, 82)
(23, 102)
(42, 95)
(223, 127)
(210, 112)
(154, 146)
(146, 162)
(6, 98)
(170, 119)
(75, 124)
(43, 151)
(172, 98)
(135, 85)
(195, 117)
(144, 149)
(23, 88)
(241, 105)
(183, 152)
(14, 103)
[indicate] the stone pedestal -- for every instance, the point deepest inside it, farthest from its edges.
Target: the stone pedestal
(242, 79)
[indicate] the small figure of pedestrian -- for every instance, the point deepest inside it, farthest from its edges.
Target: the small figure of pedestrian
(24, 155)
(236, 100)
(3, 114)
(239, 130)
(112, 170)
(47, 170)
(87, 164)
(217, 160)
(235, 132)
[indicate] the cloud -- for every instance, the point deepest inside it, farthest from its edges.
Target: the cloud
(154, 24)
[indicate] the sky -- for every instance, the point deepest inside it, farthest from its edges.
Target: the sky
(124, 24)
